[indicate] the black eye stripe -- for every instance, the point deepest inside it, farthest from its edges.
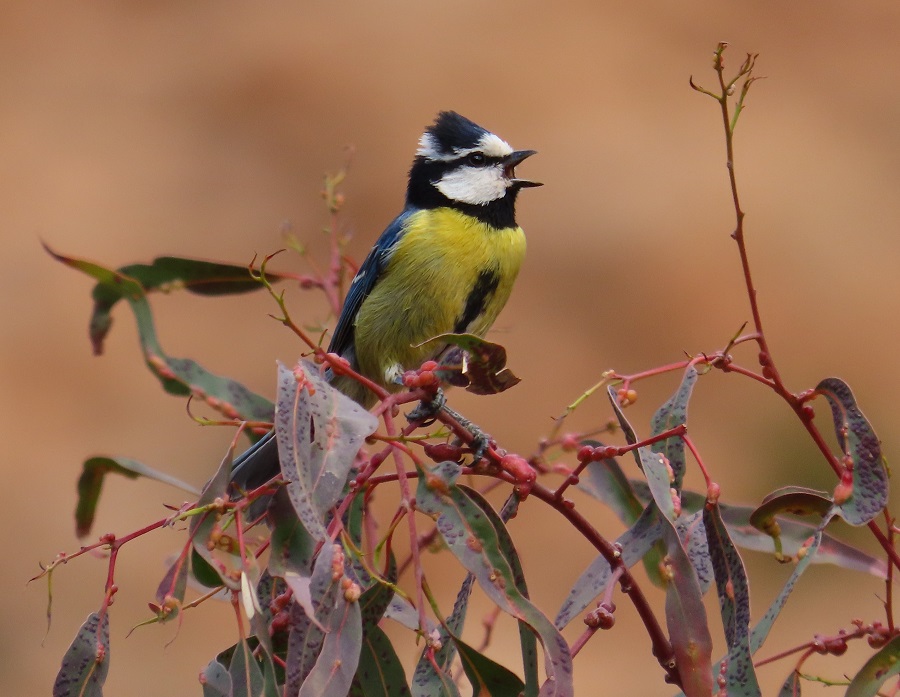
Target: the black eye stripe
(464, 160)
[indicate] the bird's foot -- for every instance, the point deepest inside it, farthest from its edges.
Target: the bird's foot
(480, 439)
(427, 410)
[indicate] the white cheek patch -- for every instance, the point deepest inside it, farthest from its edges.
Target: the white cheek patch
(475, 185)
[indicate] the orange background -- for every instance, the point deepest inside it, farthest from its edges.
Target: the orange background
(129, 130)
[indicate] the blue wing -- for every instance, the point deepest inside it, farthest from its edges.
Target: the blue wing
(259, 463)
(362, 285)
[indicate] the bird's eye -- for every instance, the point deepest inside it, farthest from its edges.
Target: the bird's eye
(476, 159)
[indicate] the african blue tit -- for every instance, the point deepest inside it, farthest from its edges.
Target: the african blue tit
(446, 264)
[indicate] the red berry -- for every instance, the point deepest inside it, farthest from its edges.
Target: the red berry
(442, 452)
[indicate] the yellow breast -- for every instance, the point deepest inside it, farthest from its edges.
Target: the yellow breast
(422, 293)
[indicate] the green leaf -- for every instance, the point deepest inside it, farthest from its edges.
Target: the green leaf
(292, 547)
(253, 588)
(734, 603)
(315, 595)
(246, 677)
(380, 672)
(692, 534)
(178, 376)
(685, 613)
(202, 524)
(635, 542)
(858, 440)
(605, 481)
(183, 376)
(488, 678)
(86, 662)
(215, 680)
(527, 638)
(202, 572)
(334, 669)
(167, 274)
(433, 683)
(319, 433)
(877, 670)
(686, 619)
(796, 500)
(657, 473)
(304, 643)
(326, 629)
(471, 537)
(433, 670)
(791, 685)
(174, 583)
(478, 365)
(90, 483)
(793, 535)
(173, 587)
(377, 597)
(432, 674)
(405, 614)
(671, 414)
(761, 631)
(332, 675)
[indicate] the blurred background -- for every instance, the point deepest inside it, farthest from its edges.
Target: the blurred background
(130, 130)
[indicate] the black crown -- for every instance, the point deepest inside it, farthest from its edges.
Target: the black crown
(451, 130)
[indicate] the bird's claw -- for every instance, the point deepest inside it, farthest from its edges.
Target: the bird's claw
(480, 439)
(426, 412)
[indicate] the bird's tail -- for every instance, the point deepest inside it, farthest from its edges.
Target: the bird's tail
(257, 464)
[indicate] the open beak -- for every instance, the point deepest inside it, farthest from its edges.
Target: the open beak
(509, 168)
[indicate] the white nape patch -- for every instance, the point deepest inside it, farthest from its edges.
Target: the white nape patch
(430, 149)
(489, 144)
(475, 185)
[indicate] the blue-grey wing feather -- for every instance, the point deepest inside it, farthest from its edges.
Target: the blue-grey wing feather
(362, 285)
(259, 463)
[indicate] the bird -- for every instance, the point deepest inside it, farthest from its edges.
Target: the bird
(445, 264)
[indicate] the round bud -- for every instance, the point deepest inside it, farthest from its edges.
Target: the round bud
(569, 442)
(585, 453)
(876, 641)
(442, 452)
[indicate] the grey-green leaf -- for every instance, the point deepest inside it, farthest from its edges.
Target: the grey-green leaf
(86, 662)
(734, 602)
(876, 671)
(671, 414)
(857, 437)
(319, 433)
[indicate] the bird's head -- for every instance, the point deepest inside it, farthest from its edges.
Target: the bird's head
(460, 163)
